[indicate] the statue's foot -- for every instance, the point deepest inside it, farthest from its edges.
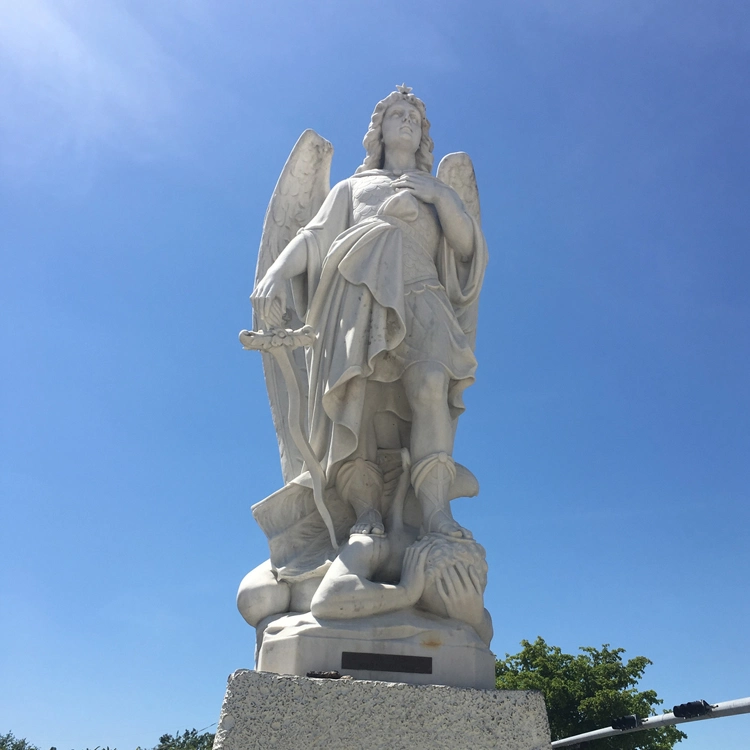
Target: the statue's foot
(442, 522)
(369, 522)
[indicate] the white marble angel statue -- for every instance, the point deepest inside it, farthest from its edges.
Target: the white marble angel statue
(385, 269)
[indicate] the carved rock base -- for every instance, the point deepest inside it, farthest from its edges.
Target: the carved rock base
(411, 647)
(263, 711)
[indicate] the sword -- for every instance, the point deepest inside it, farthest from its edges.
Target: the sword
(280, 342)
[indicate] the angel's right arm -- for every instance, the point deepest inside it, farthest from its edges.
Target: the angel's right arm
(273, 286)
(300, 261)
(330, 220)
(291, 262)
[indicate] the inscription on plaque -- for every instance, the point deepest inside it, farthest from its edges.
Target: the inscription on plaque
(386, 662)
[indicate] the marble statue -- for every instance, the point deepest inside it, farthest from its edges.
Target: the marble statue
(365, 307)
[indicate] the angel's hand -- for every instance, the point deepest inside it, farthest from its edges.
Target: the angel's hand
(412, 572)
(269, 299)
(456, 224)
(425, 187)
(460, 589)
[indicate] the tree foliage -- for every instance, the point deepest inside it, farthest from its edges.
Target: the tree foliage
(10, 742)
(587, 691)
(190, 739)
(187, 740)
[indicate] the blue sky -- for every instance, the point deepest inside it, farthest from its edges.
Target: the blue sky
(609, 425)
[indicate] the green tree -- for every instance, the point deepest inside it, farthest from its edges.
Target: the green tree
(587, 691)
(10, 742)
(187, 740)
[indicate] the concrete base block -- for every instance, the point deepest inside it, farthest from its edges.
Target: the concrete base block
(263, 711)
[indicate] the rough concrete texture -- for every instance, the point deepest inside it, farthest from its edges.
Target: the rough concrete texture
(263, 711)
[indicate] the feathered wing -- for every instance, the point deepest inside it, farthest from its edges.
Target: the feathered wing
(302, 187)
(457, 171)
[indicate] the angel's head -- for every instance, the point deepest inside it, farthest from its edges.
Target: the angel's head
(399, 120)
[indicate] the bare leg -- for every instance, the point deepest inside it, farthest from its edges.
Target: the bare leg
(262, 598)
(426, 386)
(360, 481)
(302, 593)
(433, 470)
(261, 595)
(367, 443)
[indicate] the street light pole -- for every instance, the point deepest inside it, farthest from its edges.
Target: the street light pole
(694, 711)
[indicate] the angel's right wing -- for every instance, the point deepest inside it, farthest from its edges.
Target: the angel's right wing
(299, 193)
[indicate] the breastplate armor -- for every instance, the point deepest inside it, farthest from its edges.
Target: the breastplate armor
(418, 222)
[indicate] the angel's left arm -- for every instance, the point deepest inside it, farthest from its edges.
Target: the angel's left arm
(457, 225)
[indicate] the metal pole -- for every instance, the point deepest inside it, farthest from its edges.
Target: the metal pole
(716, 711)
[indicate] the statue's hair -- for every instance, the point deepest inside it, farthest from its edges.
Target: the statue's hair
(373, 140)
(447, 551)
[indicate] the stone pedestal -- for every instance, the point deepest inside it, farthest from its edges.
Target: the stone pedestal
(407, 646)
(264, 711)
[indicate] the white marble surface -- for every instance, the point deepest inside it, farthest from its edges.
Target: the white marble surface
(366, 301)
(263, 711)
(298, 644)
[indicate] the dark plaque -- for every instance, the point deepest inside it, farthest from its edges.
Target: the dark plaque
(386, 662)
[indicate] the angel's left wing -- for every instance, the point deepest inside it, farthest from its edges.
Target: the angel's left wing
(299, 193)
(457, 171)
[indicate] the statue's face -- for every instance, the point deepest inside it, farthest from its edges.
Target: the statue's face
(402, 126)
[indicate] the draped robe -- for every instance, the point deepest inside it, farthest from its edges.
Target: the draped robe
(383, 289)
(369, 248)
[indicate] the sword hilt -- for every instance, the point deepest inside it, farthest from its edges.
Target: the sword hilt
(266, 341)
